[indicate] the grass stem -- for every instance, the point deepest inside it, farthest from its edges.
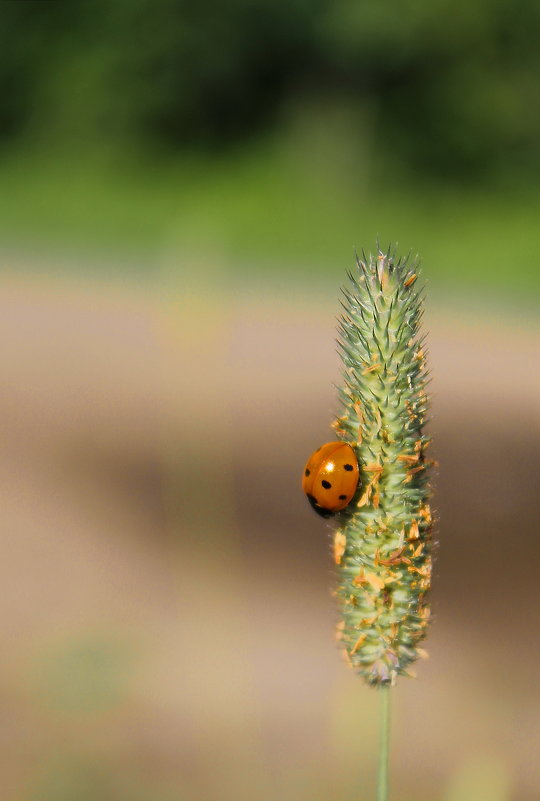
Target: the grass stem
(384, 743)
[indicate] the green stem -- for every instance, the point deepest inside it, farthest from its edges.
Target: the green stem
(384, 741)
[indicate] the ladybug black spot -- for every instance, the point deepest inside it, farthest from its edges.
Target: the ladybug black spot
(326, 484)
(342, 497)
(307, 472)
(348, 467)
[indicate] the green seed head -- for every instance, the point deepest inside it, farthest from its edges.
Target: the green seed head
(383, 544)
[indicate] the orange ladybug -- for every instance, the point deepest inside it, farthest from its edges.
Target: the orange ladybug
(331, 477)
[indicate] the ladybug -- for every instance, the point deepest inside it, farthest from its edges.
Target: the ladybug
(331, 477)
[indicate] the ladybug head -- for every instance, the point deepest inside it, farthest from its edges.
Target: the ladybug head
(319, 509)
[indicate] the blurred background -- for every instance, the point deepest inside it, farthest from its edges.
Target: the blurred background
(182, 189)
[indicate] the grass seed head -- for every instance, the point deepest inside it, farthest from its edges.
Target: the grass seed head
(383, 545)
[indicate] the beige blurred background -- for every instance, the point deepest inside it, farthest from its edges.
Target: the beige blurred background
(167, 611)
(182, 191)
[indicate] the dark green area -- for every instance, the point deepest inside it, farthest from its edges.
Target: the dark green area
(275, 136)
(443, 86)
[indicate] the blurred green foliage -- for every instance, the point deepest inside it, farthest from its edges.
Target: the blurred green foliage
(84, 675)
(267, 212)
(445, 87)
(90, 776)
(275, 136)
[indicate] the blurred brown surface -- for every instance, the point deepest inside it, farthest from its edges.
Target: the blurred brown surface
(167, 611)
